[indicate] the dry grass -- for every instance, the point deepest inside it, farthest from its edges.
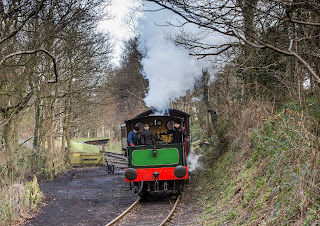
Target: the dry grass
(19, 193)
(18, 200)
(269, 175)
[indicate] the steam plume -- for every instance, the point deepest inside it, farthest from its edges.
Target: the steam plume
(169, 69)
(193, 161)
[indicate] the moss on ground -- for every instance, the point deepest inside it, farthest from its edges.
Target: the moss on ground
(114, 146)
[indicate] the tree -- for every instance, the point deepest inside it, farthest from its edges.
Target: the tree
(37, 38)
(126, 85)
(204, 82)
(15, 87)
(246, 21)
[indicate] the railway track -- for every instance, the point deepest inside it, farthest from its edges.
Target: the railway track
(118, 160)
(156, 212)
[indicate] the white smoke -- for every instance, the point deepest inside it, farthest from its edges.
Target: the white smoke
(193, 161)
(171, 71)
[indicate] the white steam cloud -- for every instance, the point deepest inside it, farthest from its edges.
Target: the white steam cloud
(171, 71)
(193, 161)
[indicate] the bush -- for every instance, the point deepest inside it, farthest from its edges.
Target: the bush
(274, 180)
(17, 200)
(288, 153)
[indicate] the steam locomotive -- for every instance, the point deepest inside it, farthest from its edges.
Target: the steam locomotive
(161, 167)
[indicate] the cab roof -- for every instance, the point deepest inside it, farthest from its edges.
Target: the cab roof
(168, 112)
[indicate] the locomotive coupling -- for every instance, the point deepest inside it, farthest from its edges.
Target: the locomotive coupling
(156, 175)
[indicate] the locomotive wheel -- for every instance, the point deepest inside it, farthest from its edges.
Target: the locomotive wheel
(144, 195)
(180, 187)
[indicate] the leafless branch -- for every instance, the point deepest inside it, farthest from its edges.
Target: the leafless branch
(14, 32)
(19, 106)
(203, 55)
(29, 52)
(288, 53)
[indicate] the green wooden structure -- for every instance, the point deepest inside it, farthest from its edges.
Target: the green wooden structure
(86, 159)
(83, 153)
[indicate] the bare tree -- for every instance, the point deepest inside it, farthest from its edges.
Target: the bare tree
(37, 38)
(246, 21)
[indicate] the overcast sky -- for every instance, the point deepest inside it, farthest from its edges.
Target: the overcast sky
(117, 26)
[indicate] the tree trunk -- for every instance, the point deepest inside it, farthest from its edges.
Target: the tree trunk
(66, 128)
(8, 139)
(37, 135)
(248, 11)
(205, 91)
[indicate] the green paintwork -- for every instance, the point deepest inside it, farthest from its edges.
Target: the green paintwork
(165, 156)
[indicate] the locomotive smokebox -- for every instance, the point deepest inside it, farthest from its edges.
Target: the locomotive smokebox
(131, 174)
(180, 171)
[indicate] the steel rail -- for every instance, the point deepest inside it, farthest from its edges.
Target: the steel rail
(171, 212)
(123, 213)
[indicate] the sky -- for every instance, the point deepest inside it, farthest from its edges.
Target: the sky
(120, 10)
(170, 69)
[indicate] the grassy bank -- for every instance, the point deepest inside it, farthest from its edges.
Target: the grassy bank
(79, 145)
(274, 181)
(114, 146)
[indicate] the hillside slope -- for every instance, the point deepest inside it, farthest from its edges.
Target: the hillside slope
(274, 181)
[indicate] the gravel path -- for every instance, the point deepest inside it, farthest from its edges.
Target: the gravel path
(86, 196)
(89, 196)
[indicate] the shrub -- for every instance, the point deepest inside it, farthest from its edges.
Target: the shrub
(17, 200)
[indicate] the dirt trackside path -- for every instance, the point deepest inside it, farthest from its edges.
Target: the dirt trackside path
(84, 196)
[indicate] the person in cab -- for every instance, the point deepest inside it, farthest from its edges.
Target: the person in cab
(133, 137)
(146, 137)
(178, 133)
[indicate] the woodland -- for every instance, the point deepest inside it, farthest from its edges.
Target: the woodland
(255, 125)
